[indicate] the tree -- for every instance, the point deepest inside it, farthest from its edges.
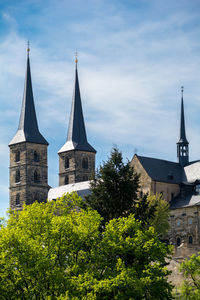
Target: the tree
(114, 188)
(191, 272)
(153, 210)
(55, 250)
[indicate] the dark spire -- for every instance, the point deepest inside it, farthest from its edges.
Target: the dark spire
(182, 144)
(28, 127)
(182, 125)
(76, 138)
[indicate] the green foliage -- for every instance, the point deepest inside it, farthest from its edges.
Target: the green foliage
(114, 188)
(161, 214)
(191, 271)
(55, 250)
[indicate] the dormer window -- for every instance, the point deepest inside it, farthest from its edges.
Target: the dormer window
(170, 176)
(197, 189)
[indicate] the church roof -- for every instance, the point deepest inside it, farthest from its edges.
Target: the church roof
(28, 127)
(182, 138)
(82, 189)
(162, 170)
(192, 171)
(76, 139)
(188, 200)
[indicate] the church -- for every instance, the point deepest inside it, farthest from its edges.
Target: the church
(178, 182)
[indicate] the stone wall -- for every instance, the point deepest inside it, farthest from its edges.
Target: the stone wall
(31, 161)
(75, 170)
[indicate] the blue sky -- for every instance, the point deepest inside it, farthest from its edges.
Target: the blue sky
(133, 58)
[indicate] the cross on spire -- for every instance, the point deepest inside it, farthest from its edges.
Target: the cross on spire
(28, 47)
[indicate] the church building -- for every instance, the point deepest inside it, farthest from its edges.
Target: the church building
(178, 182)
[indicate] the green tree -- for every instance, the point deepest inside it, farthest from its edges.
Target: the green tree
(114, 188)
(191, 272)
(55, 250)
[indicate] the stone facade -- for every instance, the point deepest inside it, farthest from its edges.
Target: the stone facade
(28, 174)
(150, 186)
(184, 231)
(75, 166)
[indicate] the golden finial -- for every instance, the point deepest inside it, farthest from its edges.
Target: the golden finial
(76, 57)
(28, 48)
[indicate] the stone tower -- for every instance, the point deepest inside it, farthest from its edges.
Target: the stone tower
(28, 154)
(77, 156)
(182, 144)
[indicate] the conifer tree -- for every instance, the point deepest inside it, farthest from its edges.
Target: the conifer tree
(114, 188)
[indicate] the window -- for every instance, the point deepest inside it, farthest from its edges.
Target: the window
(197, 189)
(190, 221)
(66, 162)
(18, 200)
(178, 222)
(85, 163)
(36, 197)
(190, 240)
(172, 196)
(178, 241)
(36, 156)
(17, 156)
(36, 176)
(170, 176)
(85, 178)
(17, 176)
(66, 179)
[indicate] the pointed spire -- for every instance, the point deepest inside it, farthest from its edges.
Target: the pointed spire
(76, 138)
(28, 127)
(182, 145)
(182, 124)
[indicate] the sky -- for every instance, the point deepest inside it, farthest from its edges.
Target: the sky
(134, 56)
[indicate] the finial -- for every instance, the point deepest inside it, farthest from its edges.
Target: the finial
(76, 57)
(28, 47)
(182, 90)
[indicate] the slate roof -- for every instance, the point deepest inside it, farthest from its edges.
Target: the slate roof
(162, 170)
(76, 139)
(82, 189)
(186, 201)
(28, 127)
(192, 171)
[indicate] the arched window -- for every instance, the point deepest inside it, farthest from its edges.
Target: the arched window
(178, 241)
(66, 162)
(18, 200)
(36, 156)
(190, 240)
(66, 179)
(17, 176)
(85, 163)
(36, 197)
(36, 176)
(85, 178)
(17, 156)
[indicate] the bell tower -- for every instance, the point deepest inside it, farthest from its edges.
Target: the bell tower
(28, 154)
(77, 156)
(182, 144)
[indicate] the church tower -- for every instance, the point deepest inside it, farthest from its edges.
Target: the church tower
(28, 154)
(77, 156)
(182, 144)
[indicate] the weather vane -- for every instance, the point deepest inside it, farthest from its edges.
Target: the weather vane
(182, 89)
(76, 57)
(28, 47)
